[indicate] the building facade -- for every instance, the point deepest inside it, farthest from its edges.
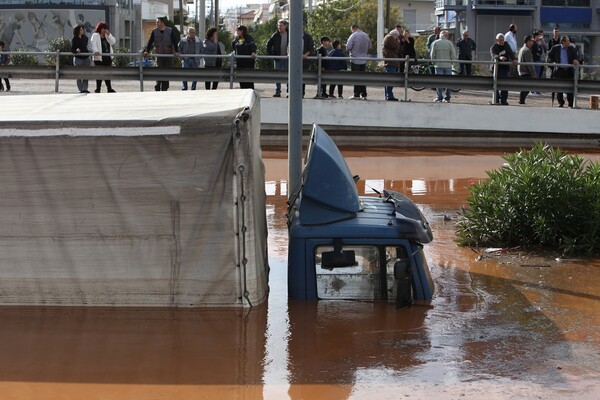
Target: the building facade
(579, 19)
(27, 25)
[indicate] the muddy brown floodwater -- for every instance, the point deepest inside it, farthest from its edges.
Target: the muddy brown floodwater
(510, 330)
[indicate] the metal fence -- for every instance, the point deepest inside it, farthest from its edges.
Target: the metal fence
(586, 79)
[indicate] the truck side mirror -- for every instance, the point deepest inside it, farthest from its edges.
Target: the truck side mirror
(403, 288)
(401, 269)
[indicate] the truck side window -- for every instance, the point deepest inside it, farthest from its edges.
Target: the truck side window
(393, 254)
(359, 282)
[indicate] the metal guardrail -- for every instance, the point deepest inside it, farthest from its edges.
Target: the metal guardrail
(318, 77)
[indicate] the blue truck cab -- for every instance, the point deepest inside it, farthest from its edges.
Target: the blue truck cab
(342, 246)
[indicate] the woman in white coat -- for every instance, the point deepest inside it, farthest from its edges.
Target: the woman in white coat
(102, 43)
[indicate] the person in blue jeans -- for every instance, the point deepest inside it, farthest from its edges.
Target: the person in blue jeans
(190, 48)
(442, 54)
(278, 46)
(391, 50)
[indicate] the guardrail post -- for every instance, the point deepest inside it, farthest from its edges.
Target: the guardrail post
(319, 94)
(231, 65)
(406, 67)
(141, 68)
(495, 98)
(576, 84)
(57, 71)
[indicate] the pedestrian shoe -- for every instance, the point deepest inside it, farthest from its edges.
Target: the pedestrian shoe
(363, 97)
(97, 91)
(392, 99)
(318, 97)
(436, 100)
(331, 96)
(277, 94)
(521, 102)
(504, 103)
(111, 91)
(340, 97)
(355, 98)
(561, 105)
(446, 101)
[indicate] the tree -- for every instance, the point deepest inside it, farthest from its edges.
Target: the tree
(333, 19)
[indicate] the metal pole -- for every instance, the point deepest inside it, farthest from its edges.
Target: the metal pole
(319, 94)
(57, 73)
(217, 14)
(406, 67)
(201, 18)
(231, 65)
(295, 99)
(141, 66)
(379, 28)
(495, 98)
(576, 85)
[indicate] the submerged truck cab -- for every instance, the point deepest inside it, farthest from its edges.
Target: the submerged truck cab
(342, 246)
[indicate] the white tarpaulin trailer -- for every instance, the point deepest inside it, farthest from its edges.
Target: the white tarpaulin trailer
(132, 199)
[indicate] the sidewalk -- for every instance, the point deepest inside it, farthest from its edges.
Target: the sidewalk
(45, 86)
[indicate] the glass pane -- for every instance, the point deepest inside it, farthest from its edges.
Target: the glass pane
(393, 254)
(360, 282)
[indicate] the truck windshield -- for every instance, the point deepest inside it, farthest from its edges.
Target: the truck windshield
(359, 282)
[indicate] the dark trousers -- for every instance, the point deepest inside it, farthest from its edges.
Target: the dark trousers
(524, 93)
(564, 73)
(207, 85)
(163, 62)
(359, 90)
(103, 63)
(465, 69)
(340, 90)
(502, 95)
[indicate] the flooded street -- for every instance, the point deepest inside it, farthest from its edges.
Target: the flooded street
(494, 330)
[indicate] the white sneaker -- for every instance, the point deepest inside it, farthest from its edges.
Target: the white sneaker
(446, 101)
(355, 98)
(436, 100)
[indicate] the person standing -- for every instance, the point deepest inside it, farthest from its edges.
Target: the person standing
(510, 37)
(4, 61)
(323, 51)
(442, 51)
(214, 47)
(79, 44)
(358, 45)
(466, 49)
(555, 39)
(502, 52)
(391, 49)
(102, 43)
(164, 40)
(277, 45)
(308, 49)
(336, 65)
(526, 71)
(244, 45)
(433, 37)
(407, 44)
(563, 53)
(190, 49)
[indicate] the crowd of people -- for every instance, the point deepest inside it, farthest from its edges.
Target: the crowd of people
(193, 52)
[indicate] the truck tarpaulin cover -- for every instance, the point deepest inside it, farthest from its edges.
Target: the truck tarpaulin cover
(132, 199)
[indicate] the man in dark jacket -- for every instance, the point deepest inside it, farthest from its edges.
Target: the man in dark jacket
(278, 46)
(165, 41)
(466, 48)
(563, 53)
(308, 50)
(502, 52)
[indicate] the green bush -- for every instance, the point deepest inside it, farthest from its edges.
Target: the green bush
(539, 198)
(121, 61)
(23, 59)
(62, 44)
